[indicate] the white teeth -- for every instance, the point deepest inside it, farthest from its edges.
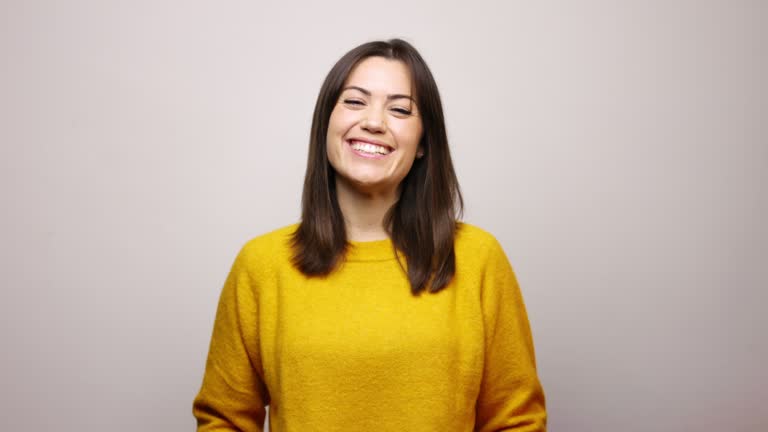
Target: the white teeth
(369, 148)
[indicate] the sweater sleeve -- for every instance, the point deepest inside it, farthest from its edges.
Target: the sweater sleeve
(233, 395)
(511, 397)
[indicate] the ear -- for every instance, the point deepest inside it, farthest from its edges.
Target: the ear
(419, 152)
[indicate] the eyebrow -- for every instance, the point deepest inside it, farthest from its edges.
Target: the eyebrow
(368, 93)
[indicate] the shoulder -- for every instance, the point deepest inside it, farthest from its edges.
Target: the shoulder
(478, 250)
(480, 257)
(267, 250)
(272, 240)
(475, 240)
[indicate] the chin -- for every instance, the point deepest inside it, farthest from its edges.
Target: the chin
(365, 184)
(365, 177)
(368, 183)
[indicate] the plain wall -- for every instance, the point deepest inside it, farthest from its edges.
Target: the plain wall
(618, 150)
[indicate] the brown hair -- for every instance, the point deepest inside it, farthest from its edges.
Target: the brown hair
(422, 223)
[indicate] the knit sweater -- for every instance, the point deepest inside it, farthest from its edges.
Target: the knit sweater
(356, 351)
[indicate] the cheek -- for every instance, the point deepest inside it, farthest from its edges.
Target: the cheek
(409, 136)
(340, 122)
(333, 124)
(335, 131)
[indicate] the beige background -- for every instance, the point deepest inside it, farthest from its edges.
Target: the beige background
(618, 150)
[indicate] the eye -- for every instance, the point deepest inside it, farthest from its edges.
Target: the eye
(401, 111)
(355, 102)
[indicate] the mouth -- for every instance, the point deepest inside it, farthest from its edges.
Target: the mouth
(369, 149)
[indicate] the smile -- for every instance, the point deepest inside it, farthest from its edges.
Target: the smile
(370, 150)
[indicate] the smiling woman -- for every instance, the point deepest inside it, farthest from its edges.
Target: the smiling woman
(374, 129)
(379, 310)
(380, 98)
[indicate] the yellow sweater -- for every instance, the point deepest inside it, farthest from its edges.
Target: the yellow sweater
(355, 351)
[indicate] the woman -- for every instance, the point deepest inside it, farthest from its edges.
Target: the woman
(378, 311)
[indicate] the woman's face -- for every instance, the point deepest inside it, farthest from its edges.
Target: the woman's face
(375, 127)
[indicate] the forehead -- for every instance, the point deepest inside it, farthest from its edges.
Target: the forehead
(381, 75)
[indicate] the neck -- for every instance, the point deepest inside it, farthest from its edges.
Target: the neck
(364, 211)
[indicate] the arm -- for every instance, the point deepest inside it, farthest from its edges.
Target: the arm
(511, 397)
(233, 395)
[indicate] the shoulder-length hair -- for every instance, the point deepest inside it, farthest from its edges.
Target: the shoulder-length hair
(422, 223)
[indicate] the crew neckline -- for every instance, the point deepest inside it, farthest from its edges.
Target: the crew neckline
(371, 250)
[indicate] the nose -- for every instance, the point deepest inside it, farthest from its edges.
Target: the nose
(374, 122)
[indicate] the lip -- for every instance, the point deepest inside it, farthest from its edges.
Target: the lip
(369, 141)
